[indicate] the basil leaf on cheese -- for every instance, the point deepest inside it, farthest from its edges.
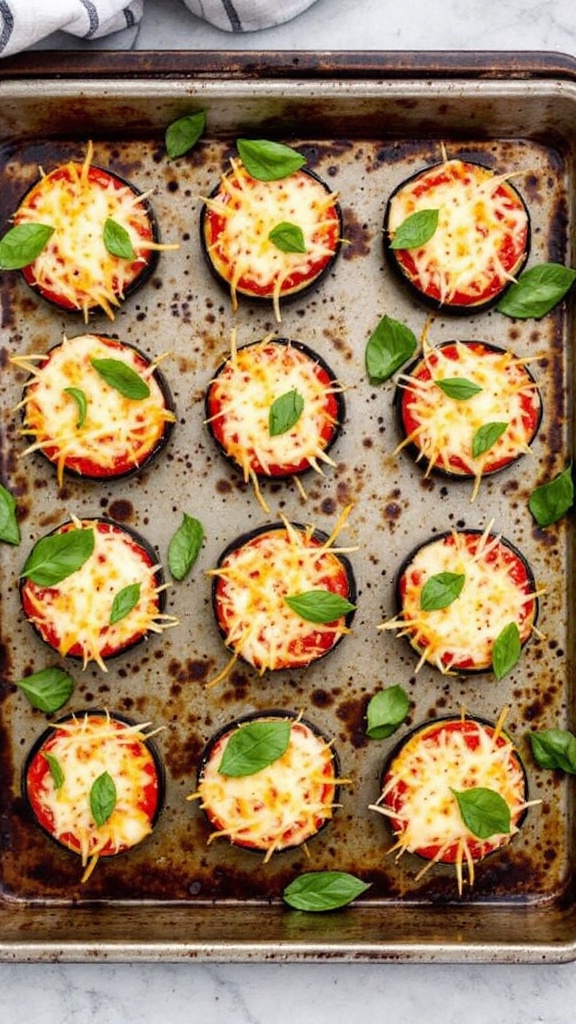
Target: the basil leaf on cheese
(486, 436)
(79, 397)
(254, 746)
(269, 161)
(48, 689)
(506, 651)
(389, 346)
(22, 244)
(285, 412)
(124, 601)
(57, 556)
(483, 811)
(386, 711)
(102, 798)
(184, 546)
(182, 135)
(416, 230)
(121, 377)
(288, 237)
(318, 891)
(55, 769)
(319, 605)
(441, 590)
(9, 528)
(458, 388)
(117, 240)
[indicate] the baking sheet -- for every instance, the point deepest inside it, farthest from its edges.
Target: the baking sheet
(175, 896)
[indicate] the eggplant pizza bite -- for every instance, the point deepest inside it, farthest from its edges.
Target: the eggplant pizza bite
(268, 782)
(468, 409)
(270, 240)
(92, 589)
(100, 237)
(94, 783)
(282, 596)
(95, 407)
(275, 409)
(458, 234)
(454, 791)
(466, 601)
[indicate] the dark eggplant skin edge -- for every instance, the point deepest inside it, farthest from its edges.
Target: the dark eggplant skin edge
(445, 307)
(148, 268)
(422, 727)
(414, 451)
(154, 452)
(438, 537)
(92, 713)
(338, 395)
(266, 715)
(284, 296)
(158, 576)
(319, 535)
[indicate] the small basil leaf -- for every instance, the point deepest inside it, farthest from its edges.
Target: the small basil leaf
(554, 749)
(285, 412)
(57, 556)
(102, 798)
(386, 711)
(117, 240)
(506, 650)
(124, 601)
(269, 161)
(485, 437)
(483, 811)
(22, 244)
(184, 546)
(55, 769)
(288, 237)
(459, 388)
(319, 605)
(441, 590)
(79, 397)
(388, 347)
(549, 502)
(9, 528)
(323, 890)
(416, 230)
(182, 135)
(47, 690)
(254, 746)
(537, 291)
(122, 378)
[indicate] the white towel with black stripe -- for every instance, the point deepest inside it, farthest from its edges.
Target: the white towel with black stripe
(26, 22)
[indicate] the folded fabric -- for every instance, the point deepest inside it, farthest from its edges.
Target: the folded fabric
(25, 22)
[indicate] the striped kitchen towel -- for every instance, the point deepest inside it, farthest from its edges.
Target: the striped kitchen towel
(25, 22)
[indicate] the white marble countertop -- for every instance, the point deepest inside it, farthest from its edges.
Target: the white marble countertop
(315, 993)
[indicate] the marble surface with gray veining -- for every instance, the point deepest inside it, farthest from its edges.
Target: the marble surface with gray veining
(315, 993)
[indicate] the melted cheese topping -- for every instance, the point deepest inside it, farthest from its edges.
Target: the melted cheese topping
(75, 614)
(419, 791)
(446, 427)
(85, 748)
(248, 210)
(480, 215)
(281, 805)
(463, 633)
(117, 431)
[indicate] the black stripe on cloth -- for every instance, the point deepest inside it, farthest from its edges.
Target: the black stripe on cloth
(93, 17)
(233, 15)
(7, 24)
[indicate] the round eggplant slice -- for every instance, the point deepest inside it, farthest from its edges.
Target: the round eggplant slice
(457, 234)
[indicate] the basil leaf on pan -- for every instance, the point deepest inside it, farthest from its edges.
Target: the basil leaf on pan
(55, 769)
(317, 891)
(441, 590)
(117, 240)
(102, 798)
(386, 711)
(79, 397)
(285, 412)
(269, 161)
(537, 291)
(57, 556)
(389, 346)
(184, 546)
(121, 377)
(288, 237)
(22, 244)
(554, 749)
(254, 746)
(549, 502)
(506, 650)
(124, 601)
(486, 436)
(458, 388)
(9, 528)
(483, 811)
(416, 230)
(319, 605)
(182, 135)
(47, 690)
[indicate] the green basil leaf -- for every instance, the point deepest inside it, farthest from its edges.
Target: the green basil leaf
(323, 890)
(254, 746)
(441, 590)
(485, 437)
(483, 811)
(537, 291)
(124, 601)
(57, 556)
(549, 502)
(79, 397)
(416, 230)
(22, 244)
(9, 527)
(386, 711)
(506, 650)
(122, 378)
(182, 135)
(389, 346)
(184, 546)
(117, 240)
(55, 769)
(102, 798)
(269, 161)
(319, 605)
(288, 237)
(47, 690)
(554, 749)
(285, 412)
(459, 388)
